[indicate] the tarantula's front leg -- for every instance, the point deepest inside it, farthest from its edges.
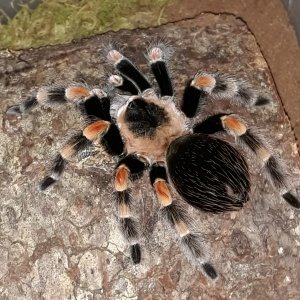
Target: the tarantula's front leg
(128, 70)
(123, 84)
(218, 86)
(128, 168)
(83, 145)
(130, 76)
(176, 215)
(160, 71)
(237, 127)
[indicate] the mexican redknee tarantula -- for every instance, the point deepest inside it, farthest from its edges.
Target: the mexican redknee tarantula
(149, 132)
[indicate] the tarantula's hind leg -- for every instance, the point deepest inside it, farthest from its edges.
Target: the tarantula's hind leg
(238, 128)
(57, 166)
(128, 168)
(176, 215)
(218, 86)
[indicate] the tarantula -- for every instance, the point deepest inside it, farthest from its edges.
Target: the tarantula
(149, 132)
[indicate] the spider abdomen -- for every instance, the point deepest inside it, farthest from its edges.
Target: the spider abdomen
(208, 173)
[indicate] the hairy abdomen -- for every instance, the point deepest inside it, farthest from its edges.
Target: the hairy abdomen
(208, 173)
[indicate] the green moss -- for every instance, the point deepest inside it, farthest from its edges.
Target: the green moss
(61, 21)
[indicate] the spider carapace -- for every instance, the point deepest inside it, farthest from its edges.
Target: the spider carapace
(150, 131)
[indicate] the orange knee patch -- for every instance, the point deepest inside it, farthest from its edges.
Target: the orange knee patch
(163, 193)
(203, 82)
(233, 124)
(76, 92)
(94, 130)
(121, 179)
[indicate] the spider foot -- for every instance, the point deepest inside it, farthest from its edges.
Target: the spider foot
(25, 106)
(135, 253)
(197, 253)
(14, 110)
(291, 199)
(57, 168)
(123, 84)
(209, 270)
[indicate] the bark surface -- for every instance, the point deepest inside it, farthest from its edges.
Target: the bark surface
(64, 244)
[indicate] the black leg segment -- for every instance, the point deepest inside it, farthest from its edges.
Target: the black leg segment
(192, 98)
(209, 270)
(291, 199)
(211, 125)
(135, 253)
(57, 168)
(162, 77)
(135, 165)
(95, 108)
(128, 70)
(156, 172)
(112, 141)
(123, 84)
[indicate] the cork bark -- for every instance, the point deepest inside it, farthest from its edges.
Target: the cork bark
(64, 244)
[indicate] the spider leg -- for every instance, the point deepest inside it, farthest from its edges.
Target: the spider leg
(92, 103)
(218, 86)
(177, 216)
(128, 70)
(27, 105)
(94, 106)
(49, 95)
(107, 134)
(160, 71)
(123, 84)
(77, 146)
(128, 168)
(237, 127)
(83, 145)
